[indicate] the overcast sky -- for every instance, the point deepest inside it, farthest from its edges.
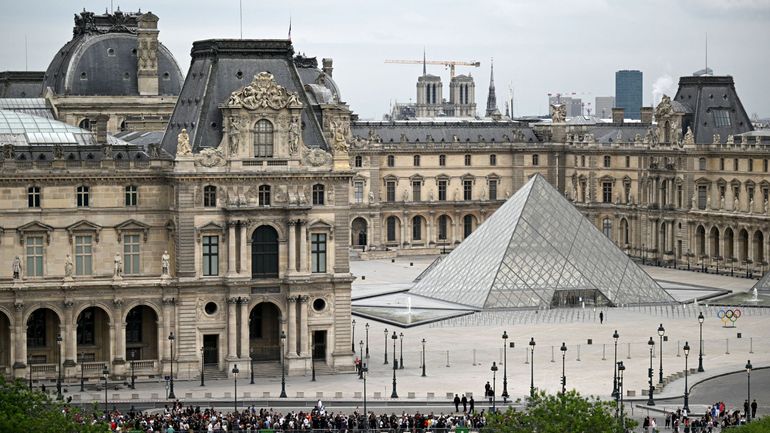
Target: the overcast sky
(538, 46)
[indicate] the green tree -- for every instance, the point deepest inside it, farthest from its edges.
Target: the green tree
(559, 413)
(22, 410)
(759, 425)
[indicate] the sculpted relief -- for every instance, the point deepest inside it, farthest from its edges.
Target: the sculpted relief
(264, 92)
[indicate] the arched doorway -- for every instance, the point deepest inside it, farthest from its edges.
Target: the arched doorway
(714, 241)
(624, 233)
(729, 243)
(758, 247)
(392, 229)
(444, 229)
(5, 343)
(743, 245)
(469, 223)
(265, 332)
(264, 253)
(43, 326)
(93, 335)
(700, 241)
(358, 233)
(142, 334)
(418, 229)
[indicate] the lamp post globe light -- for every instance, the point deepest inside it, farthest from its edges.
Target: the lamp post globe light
(171, 394)
(58, 361)
(386, 347)
(423, 358)
(661, 333)
(686, 388)
(650, 400)
(532, 367)
(563, 374)
(361, 361)
(235, 387)
(615, 337)
(400, 353)
(353, 338)
(394, 337)
(367, 340)
(105, 376)
(700, 345)
(283, 368)
(494, 384)
(748, 388)
(505, 394)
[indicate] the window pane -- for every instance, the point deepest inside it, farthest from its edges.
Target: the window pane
(83, 250)
(131, 254)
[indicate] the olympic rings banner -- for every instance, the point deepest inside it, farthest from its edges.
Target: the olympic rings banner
(729, 315)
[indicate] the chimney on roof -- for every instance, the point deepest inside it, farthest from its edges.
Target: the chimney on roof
(327, 67)
(100, 128)
(618, 115)
(147, 54)
(645, 114)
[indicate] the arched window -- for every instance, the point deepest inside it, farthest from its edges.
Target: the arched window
(467, 225)
(391, 161)
(85, 124)
(263, 139)
(493, 159)
(607, 227)
(391, 223)
(443, 223)
(417, 228)
(209, 196)
(318, 194)
(442, 160)
(264, 253)
(416, 160)
(264, 195)
(358, 161)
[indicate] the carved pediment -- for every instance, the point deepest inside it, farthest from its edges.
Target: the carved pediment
(210, 227)
(264, 92)
(321, 225)
(84, 226)
(34, 227)
(132, 226)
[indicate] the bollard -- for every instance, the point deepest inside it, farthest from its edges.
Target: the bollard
(751, 344)
(447, 357)
(552, 354)
(578, 357)
(603, 357)
(474, 358)
(727, 346)
(629, 351)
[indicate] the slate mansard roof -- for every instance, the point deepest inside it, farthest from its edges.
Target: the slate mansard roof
(222, 66)
(438, 131)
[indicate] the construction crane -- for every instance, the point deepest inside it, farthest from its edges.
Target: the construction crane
(446, 63)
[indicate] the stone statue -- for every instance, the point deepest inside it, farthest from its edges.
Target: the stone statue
(58, 151)
(708, 201)
(339, 132)
(68, 266)
(371, 197)
(16, 266)
(457, 194)
(235, 134)
(717, 139)
(664, 108)
(722, 203)
(764, 207)
(730, 140)
(294, 132)
(165, 263)
(558, 113)
(117, 271)
(751, 205)
(183, 143)
(689, 137)
(694, 201)
(430, 195)
(263, 92)
(405, 196)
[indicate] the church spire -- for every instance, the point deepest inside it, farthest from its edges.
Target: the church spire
(492, 97)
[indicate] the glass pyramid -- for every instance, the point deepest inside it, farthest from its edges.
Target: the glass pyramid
(537, 250)
(763, 285)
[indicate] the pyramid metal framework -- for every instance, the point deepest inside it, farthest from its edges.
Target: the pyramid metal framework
(534, 247)
(763, 285)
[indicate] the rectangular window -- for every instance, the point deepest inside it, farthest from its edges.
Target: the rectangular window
(33, 196)
(210, 256)
(358, 192)
(467, 190)
(34, 247)
(417, 229)
(735, 164)
(83, 255)
(535, 160)
(702, 196)
(391, 224)
(318, 252)
(721, 164)
(442, 160)
(582, 160)
(36, 329)
(82, 196)
(442, 190)
(416, 160)
(679, 195)
(606, 192)
(607, 161)
(628, 162)
(721, 118)
(391, 161)
(467, 160)
(751, 164)
(131, 254)
(493, 159)
(765, 165)
(132, 195)
(416, 190)
(493, 190)
(390, 189)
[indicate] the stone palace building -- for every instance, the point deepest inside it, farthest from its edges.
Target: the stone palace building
(211, 223)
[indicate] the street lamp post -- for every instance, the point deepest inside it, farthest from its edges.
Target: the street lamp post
(312, 358)
(615, 337)
(621, 369)
(661, 333)
(235, 387)
(58, 361)
(353, 339)
(283, 368)
(364, 370)
(29, 367)
(650, 401)
(386, 347)
(251, 367)
(203, 355)
(133, 376)
(505, 394)
(105, 376)
(688, 259)
(400, 353)
(367, 340)
(748, 389)
(171, 378)
(494, 384)
(532, 367)
(644, 255)
(700, 346)
(394, 337)
(361, 362)
(563, 373)
(423, 358)
(82, 375)
(686, 389)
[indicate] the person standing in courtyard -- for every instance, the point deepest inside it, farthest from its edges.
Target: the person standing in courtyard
(457, 403)
(746, 408)
(754, 409)
(465, 403)
(472, 403)
(601, 317)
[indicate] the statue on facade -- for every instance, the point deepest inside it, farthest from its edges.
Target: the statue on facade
(294, 132)
(371, 197)
(68, 266)
(430, 195)
(339, 132)
(16, 267)
(183, 143)
(117, 270)
(405, 196)
(689, 137)
(558, 113)
(694, 201)
(165, 264)
(722, 203)
(765, 208)
(708, 201)
(236, 124)
(751, 205)
(717, 139)
(730, 140)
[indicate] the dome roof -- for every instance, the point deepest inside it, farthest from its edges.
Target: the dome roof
(101, 59)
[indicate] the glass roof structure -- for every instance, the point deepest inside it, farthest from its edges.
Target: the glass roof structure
(763, 285)
(537, 250)
(33, 106)
(20, 129)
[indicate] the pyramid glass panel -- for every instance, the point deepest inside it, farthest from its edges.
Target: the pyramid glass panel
(763, 285)
(538, 250)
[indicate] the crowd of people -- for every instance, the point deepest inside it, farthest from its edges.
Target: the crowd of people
(716, 417)
(178, 418)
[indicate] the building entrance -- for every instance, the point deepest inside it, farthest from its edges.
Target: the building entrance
(210, 349)
(319, 345)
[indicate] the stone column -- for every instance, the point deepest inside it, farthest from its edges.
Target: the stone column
(303, 265)
(20, 341)
(244, 252)
(120, 331)
(231, 271)
(244, 328)
(671, 237)
(168, 305)
(69, 334)
(404, 224)
(291, 335)
(305, 341)
(292, 246)
(232, 328)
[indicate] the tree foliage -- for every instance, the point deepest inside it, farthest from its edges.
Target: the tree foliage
(22, 410)
(760, 425)
(559, 413)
